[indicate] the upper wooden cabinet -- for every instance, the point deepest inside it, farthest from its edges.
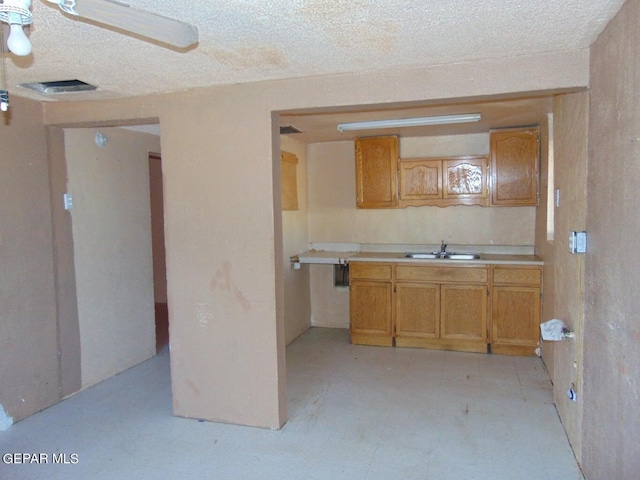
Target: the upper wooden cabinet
(509, 178)
(376, 172)
(515, 155)
(420, 180)
(289, 180)
(443, 181)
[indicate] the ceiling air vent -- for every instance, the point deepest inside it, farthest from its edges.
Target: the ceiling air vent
(60, 86)
(287, 129)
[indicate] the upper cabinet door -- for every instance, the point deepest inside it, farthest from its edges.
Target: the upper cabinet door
(420, 179)
(465, 179)
(377, 172)
(443, 181)
(515, 156)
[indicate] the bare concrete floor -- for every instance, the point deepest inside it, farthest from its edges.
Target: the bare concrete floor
(355, 413)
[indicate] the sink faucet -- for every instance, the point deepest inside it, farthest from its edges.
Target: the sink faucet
(443, 249)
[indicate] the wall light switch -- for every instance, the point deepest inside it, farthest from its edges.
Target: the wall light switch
(68, 201)
(577, 242)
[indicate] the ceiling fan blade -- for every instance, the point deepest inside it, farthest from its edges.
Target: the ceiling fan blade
(146, 24)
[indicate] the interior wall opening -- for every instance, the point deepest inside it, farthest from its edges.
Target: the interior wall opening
(110, 183)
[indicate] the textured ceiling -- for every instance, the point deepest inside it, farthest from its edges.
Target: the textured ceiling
(253, 40)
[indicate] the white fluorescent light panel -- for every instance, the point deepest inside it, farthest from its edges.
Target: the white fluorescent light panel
(410, 122)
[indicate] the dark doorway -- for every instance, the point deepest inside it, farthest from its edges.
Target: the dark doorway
(158, 251)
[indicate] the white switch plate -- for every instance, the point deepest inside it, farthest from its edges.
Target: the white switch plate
(68, 201)
(577, 242)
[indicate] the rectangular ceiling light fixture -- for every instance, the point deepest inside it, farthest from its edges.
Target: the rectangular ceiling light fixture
(411, 122)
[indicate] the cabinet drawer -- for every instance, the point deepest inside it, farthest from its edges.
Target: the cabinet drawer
(370, 271)
(441, 274)
(520, 276)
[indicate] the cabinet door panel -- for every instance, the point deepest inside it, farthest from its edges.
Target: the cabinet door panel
(370, 271)
(417, 310)
(420, 180)
(377, 172)
(465, 178)
(514, 167)
(522, 276)
(516, 315)
(442, 274)
(370, 307)
(464, 312)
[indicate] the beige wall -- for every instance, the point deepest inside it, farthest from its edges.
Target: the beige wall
(596, 160)
(611, 422)
(295, 235)
(68, 327)
(564, 272)
(223, 237)
(111, 222)
(224, 247)
(29, 365)
(544, 243)
(329, 304)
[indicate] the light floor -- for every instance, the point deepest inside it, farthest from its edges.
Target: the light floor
(355, 413)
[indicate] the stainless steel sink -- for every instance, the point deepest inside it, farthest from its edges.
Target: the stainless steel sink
(462, 256)
(447, 256)
(422, 255)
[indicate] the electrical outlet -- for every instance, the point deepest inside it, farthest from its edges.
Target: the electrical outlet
(68, 201)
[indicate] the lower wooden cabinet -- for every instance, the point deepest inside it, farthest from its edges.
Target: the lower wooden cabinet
(466, 308)
(464, 314)
(417, 308)
(441, 308)
(516, 310)
(370, 304)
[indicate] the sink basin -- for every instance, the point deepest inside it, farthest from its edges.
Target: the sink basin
(421, 255)
(462, 256)
(448, 256)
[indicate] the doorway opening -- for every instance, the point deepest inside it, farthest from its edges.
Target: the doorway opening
(158, 251)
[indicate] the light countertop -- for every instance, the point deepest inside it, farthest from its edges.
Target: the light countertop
(485, 259)
(489, 255)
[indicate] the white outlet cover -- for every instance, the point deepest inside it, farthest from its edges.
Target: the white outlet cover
(68, 201)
